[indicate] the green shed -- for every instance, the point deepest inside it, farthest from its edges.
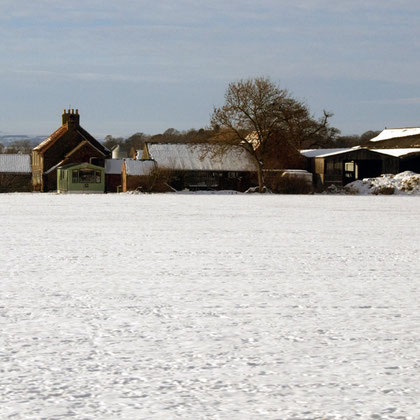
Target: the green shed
(80, 178)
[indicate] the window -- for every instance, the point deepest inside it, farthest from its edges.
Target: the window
(349, 166)
(86, 176)
(351, 170)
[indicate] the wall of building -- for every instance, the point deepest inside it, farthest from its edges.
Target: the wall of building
(11, 182)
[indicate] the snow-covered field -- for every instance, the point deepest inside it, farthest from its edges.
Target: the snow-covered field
(209, 306)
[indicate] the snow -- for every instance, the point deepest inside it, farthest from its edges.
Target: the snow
(397, 152)
(403, 183)
(200, 157)
(209, 306)
(139, 167)
(390, 133)
(312, 153)
(15, 163)
(113, 166)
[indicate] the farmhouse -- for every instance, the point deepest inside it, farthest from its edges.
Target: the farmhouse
(202, 166)
(68, 144)
(15, 173)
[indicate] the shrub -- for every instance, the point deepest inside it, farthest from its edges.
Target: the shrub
(157, 181)
(288, 184)
(385, 190)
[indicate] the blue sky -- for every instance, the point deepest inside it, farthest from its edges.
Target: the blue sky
(134, 65)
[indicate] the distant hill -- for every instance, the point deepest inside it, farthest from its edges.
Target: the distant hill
(8, 139)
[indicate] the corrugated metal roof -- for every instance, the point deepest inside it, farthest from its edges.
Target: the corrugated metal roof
(201, 157)
(390, 133)
(113, 166)
(15, 164)
(139, 167)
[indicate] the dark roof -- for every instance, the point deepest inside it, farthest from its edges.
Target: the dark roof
(49, 141)
(92, 140)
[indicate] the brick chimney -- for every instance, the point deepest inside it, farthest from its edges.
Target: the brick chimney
(71, 117)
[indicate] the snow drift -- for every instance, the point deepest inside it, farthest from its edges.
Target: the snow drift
(403, 183)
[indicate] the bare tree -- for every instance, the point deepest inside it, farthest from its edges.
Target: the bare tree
(255, 110)
(19, 146)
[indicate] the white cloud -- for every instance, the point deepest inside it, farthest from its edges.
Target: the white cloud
(138, 42)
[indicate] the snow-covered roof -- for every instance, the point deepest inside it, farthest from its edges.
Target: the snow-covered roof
(113, 166)
(312, 153)
(397, 152)
(390, 133)
(139, 167)
(14, 163)
(201, 157)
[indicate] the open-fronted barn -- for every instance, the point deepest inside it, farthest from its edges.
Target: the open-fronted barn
(341, 166)
(203, 166)
(68, 144)
(15, 173)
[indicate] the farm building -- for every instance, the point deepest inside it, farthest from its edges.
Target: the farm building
(391, 138)
(113, 180)
(80, 178)
(15, 173)
(69, 144)
(202, 166)
(137, 175)
(341, 166)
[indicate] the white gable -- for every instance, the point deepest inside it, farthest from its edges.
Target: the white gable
(113, 166)
(139, 167)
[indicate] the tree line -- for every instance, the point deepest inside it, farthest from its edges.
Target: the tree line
(17, 146)
(257, 115)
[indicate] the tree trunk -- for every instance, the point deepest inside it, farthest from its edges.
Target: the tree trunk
(260, 177)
